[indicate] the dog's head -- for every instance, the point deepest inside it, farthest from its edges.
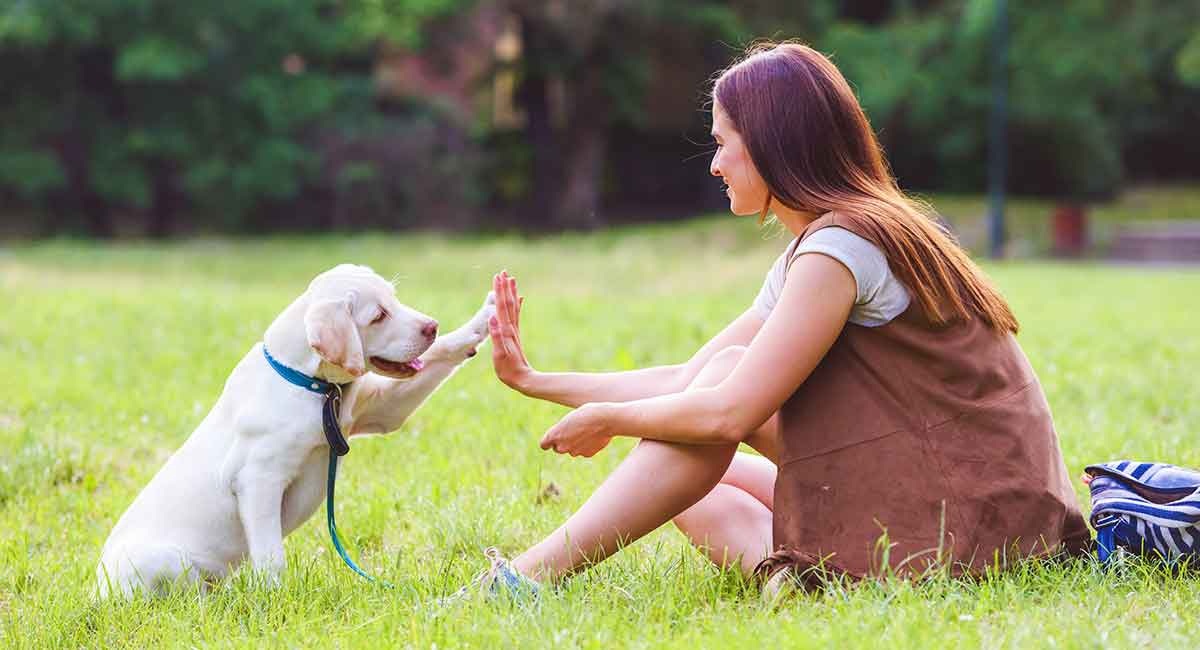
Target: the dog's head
(355, 323)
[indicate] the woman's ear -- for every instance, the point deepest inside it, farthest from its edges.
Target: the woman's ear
(334, 335)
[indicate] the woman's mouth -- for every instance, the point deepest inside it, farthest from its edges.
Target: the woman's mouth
(397, 369)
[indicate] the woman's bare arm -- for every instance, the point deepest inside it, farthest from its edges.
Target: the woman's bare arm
(576, 388)
(812, 310)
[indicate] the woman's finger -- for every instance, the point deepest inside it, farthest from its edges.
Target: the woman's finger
(512, 300)
(501, 296)
(504, 297)
(508, 290)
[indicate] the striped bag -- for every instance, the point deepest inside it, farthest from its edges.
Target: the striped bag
(1146, 508)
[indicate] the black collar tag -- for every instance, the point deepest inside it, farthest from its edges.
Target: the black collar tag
(329, 419)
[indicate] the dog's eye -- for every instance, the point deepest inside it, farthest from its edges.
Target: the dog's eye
(379, 319)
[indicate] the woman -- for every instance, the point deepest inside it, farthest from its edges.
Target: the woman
(901, 427)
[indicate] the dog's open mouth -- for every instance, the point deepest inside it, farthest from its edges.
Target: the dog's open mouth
(397, 369)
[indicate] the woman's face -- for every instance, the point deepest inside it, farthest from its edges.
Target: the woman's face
(746, 189)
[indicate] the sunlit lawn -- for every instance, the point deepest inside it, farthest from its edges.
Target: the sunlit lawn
(111, 355)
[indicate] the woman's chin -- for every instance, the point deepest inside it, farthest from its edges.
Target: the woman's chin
(738, 209)
(741, 210)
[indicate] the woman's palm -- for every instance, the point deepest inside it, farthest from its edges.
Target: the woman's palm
(508, 357)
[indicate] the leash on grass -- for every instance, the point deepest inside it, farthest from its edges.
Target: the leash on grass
(338, 447)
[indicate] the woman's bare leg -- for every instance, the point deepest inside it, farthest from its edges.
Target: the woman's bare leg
(656, 481)
(732, 523)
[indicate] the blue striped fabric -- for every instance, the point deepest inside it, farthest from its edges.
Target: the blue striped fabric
(1146, 508)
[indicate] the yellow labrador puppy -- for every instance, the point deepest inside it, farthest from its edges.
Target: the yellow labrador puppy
(255, 468)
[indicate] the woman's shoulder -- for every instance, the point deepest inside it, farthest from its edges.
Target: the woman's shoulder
(846, 220)
(881, 297)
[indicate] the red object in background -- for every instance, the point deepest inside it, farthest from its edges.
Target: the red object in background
(1070, 230)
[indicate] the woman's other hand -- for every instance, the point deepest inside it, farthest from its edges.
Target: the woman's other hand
(508, 357)
(582, 432)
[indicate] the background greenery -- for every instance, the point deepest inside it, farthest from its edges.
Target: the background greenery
(152, 118)
(113, 354)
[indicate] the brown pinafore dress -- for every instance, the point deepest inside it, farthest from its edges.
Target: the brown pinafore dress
(913, 447)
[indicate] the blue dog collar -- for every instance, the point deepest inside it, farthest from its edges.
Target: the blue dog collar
(298, 378)
(333, 401)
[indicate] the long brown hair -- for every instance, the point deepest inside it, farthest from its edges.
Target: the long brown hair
(812, 144)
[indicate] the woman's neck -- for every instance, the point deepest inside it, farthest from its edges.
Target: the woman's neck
(794, 220)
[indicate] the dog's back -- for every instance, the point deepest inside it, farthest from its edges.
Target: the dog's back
(168, 530)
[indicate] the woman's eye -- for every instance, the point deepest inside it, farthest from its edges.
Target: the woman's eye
(379, 319)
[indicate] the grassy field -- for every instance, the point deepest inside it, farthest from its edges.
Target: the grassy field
(111, 355)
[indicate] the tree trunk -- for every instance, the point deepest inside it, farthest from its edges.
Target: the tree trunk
(95, 77)
(533, 97)
(587, 144)
(579, 204)
(99, 215)
(78, 197)
(164, 202)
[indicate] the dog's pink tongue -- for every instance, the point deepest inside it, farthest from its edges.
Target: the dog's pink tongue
(416, 364)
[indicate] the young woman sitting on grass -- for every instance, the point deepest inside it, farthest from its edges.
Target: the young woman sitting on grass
(900, 425)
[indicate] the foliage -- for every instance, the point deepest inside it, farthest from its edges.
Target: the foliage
(146, 102)
(1085, 82)
(264, 114)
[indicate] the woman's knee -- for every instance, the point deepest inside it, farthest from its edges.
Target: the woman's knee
(705, 463)
(754, 475)
(718, 367)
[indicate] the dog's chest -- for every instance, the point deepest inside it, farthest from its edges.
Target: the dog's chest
(306, 491)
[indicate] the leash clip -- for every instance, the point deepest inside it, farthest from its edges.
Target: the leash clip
(329, 420)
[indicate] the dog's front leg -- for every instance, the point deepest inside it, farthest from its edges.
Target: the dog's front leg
(380, 404)
(260, 507)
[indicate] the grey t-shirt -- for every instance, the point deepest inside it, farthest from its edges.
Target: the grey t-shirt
(881, 297)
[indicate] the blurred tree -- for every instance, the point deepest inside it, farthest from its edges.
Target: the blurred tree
(260, 111)
(150, 104)
(585, 68)
(920, 67)
(1090, 79)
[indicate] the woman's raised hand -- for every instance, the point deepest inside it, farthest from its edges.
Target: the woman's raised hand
(508, 358)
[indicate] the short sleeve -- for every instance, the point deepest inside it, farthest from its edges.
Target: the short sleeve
(880, 296)
(772, 285)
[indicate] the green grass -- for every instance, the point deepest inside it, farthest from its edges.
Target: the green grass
(111, 355)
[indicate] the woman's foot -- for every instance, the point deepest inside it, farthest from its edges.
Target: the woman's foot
(502, 580)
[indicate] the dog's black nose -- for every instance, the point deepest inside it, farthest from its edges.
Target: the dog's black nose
(430, 330)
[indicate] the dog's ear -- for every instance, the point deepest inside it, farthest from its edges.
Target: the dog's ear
(333, 334)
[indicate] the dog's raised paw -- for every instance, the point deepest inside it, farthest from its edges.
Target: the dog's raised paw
(479, 324)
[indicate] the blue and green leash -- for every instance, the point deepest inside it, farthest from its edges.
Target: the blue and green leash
(338, 447)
